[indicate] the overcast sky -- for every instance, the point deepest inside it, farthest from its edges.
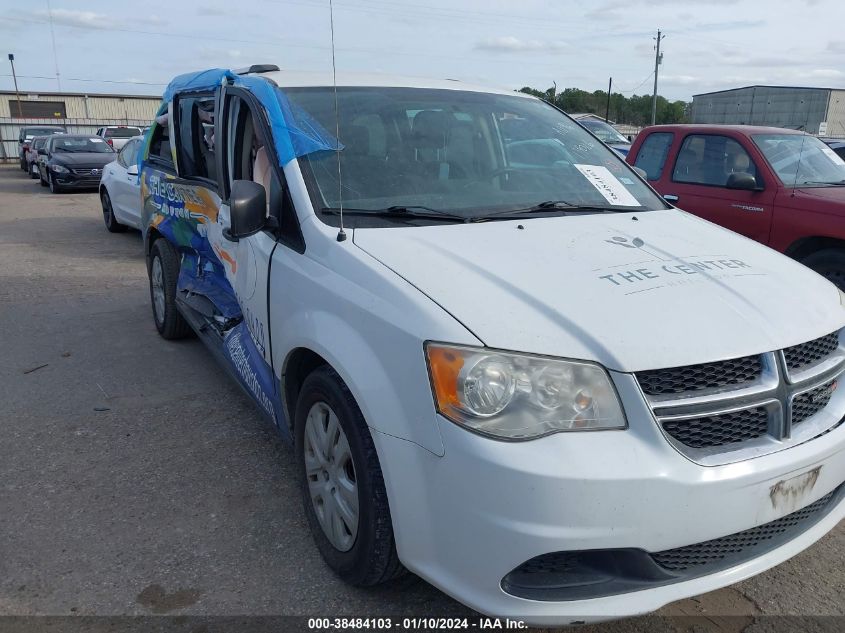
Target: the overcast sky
(136, 47)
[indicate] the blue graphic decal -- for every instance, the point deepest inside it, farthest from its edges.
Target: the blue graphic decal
(254, 374)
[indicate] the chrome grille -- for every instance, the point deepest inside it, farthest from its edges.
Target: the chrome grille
(698, 377)
(718, 430)
(87, 172)
(739, 544)
(810, 402)
(758, 405)
(805, 354)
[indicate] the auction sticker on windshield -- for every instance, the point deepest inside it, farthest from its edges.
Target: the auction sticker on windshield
(608, 185)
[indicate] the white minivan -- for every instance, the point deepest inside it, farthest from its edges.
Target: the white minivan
(506, 364)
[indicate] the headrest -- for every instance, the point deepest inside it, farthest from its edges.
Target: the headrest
(431, 127)
(356, 140)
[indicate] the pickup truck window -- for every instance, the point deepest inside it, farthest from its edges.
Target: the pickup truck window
(710, 159)
(801, 160)
(653, 153)
(468, 154)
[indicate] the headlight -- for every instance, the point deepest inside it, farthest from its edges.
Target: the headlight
(519, 396)
(58, 169)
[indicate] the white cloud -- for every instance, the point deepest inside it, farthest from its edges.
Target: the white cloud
(826, 73)
(76, 18)
(511, 44)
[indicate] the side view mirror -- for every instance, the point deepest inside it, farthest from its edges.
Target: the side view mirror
(741, 180)
(247, 209)
(42, 152)
(642, 172)
(132, 170)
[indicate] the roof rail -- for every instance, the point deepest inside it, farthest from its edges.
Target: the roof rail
(257, 68)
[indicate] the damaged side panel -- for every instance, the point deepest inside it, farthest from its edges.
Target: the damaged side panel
(188, 216)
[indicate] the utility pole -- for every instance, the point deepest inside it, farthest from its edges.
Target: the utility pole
(658, 59)
(15, 78)
(607, 107)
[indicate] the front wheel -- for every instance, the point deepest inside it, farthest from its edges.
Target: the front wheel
(111, 222)
(54, 186)
(342, 484)
(33, 171)
(830, 264)
(164, 271)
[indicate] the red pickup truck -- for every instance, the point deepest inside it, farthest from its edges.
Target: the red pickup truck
(780, 187)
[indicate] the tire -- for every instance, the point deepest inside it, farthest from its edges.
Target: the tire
(163, 273)
(830, 264)
(41, 178)
(110, 221)
(23, 163)
(54, 187)
(367, 557)
(33, 173)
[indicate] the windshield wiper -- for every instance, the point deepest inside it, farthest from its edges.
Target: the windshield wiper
(840, 183)
(550, 205)
(415, 211)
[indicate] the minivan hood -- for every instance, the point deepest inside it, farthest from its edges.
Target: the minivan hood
(632, 291)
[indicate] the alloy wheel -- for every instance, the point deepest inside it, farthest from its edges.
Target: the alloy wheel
(330, 474)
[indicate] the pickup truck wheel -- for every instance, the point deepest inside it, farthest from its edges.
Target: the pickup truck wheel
(829, 263)
(164, 271)
(342, 484)
(111, 222)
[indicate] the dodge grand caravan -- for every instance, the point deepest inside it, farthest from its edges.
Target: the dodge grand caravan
(505, 363)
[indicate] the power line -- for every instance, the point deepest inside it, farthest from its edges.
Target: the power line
(104, 81)
(639, 85)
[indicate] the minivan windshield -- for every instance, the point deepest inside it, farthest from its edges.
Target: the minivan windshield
(467, 154)
(801, 160)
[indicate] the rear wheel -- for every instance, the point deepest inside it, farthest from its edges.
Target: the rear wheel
(830, 264)
(342, 484)
(108, 214)
(164, 271)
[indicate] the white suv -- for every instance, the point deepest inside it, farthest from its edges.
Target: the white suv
(511, 367)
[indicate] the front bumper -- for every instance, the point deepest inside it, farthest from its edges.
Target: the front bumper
(465, 520)
(77, 181)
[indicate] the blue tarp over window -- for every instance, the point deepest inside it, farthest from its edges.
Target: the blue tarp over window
(295, 132)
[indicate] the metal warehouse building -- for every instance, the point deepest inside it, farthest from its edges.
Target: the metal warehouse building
(78, 112)
(816, 110)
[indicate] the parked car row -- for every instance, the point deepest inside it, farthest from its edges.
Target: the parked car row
(115, 135)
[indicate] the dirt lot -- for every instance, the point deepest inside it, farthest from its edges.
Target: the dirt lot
(135, 479)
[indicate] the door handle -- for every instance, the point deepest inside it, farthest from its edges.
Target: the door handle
(670, 197)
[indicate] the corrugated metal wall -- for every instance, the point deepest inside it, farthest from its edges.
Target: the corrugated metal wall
(100, 107)
(796, 108)
(10, 128)
(836, 114)
(84, 116)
